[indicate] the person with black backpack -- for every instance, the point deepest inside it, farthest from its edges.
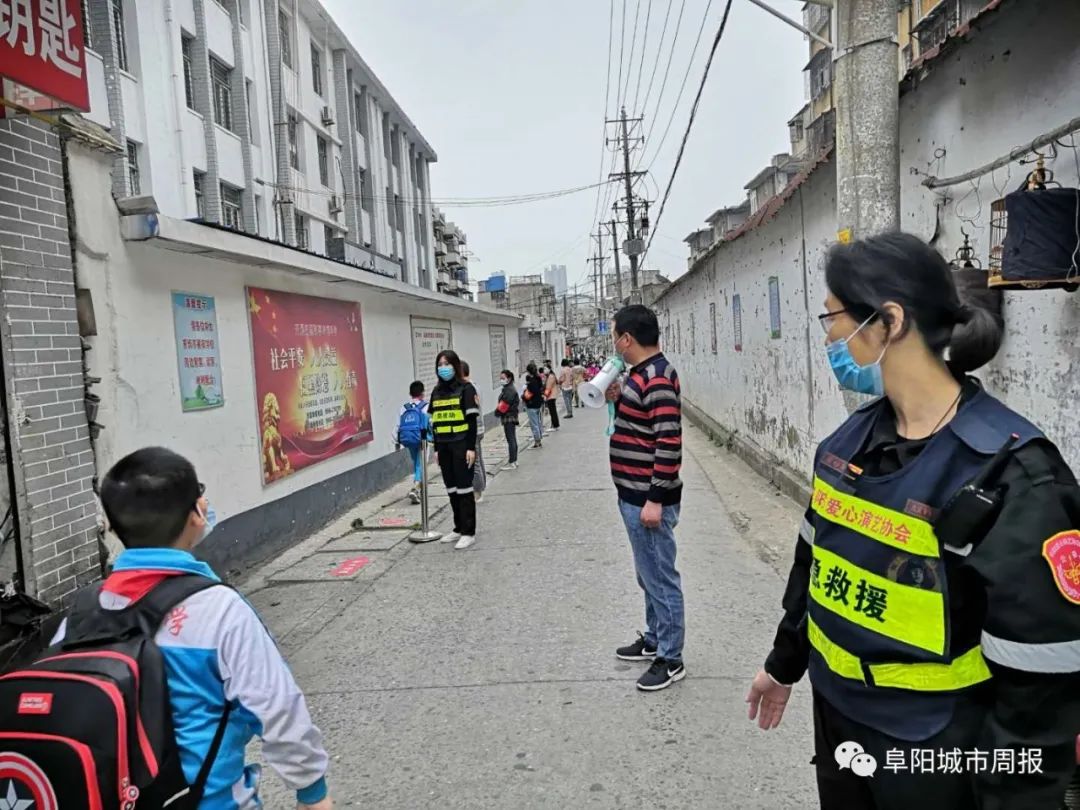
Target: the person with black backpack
(158, 677)
(413, 428)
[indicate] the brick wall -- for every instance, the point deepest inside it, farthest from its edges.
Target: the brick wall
(42, 358)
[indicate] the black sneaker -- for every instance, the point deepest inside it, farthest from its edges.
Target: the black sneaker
(638, 651)
(661, 675)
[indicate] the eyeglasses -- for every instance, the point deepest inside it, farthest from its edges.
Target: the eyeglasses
(828, 319)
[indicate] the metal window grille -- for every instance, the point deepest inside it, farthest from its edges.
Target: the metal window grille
(301, 231)
(197, 182)
(316, 71)
(324, 160)
(221, 77)
(294, 142)
(232, 207)
(186, 44)
(133, 168)
(285, 35)
(121, 34)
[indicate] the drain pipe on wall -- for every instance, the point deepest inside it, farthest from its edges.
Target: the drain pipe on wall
(173, 35)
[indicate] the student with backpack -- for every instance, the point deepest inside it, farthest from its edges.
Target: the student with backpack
(413, 427)
(157, 678)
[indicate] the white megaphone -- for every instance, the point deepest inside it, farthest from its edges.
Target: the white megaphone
(594, 392)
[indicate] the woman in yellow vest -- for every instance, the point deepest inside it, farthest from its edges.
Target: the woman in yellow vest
(935, 593)
(455, 410)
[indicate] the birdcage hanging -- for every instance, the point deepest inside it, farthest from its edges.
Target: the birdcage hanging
(972, 280)
(1035, 235)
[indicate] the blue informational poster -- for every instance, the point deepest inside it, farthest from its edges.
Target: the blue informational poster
(198, 356)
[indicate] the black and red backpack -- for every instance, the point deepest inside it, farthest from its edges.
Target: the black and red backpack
(88, 725)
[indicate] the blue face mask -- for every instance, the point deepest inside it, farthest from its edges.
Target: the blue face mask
(852, 376)
(446, 373)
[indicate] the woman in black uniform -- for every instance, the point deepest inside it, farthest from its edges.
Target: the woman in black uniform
(929, 619)
(455, 409)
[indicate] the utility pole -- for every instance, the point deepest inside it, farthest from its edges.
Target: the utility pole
(627, 176)
(867, 119)
(598, 271)
(618, 269)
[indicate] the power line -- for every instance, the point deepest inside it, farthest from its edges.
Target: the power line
(667, 68)
(607, 97)
(630, 58)
(446, 202)
(682, 88)
(659, 52)
(622, 45)
(690, 122)
(641, 62)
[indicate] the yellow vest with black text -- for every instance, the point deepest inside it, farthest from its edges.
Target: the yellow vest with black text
(882, 651)
(447, 412)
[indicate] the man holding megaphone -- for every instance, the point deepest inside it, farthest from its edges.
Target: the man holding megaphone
(646, 454)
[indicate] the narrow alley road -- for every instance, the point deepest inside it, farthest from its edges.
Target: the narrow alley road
(486, 678)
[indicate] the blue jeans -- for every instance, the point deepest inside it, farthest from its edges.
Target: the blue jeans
(654, 563)
(535, 423)
(414, 454)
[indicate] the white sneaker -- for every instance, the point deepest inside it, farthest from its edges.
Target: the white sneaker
(465, 541)
(452, 537)
(479, 496)
(511, 466)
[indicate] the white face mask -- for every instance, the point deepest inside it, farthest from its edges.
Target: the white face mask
(211, 521)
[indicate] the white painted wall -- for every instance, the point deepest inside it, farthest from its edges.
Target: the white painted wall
(1015, 79)
(134, 352)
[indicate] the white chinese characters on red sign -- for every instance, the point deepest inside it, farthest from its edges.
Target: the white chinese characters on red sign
(42, 47)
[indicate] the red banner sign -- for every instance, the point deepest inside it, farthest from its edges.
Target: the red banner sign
(42, 47)
(310, 379)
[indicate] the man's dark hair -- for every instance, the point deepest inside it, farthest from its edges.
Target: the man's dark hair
(148, 496)
(416, 388)
(566, 362)
(640, 323)
(508, 374)
(465, 369)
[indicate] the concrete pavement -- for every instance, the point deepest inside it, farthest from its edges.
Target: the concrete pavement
(486, 678)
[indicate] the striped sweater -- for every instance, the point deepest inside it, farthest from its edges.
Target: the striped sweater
(646, 448)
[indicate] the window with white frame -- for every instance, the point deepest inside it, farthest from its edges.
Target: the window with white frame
(197, 183)
(294, 140)
(301, 231)
(285, 35)
(316, 71)
(133, 168)
(84, 9)
(187, 45)
(323, 148)
(221, 81)
(121, 34)
(232, 207)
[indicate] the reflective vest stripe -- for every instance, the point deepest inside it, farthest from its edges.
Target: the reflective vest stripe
(451, 428)
(905, 532)
(1055, 656)
(806, 531)
(446, 403)
(914, 616)
(967, 670)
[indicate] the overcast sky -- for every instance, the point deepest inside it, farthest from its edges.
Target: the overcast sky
(510, 93)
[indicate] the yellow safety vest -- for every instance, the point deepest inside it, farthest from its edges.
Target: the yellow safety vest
(447, 416)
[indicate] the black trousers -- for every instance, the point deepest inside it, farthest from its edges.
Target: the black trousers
(553, 409)
(511, 440)
(841, 789)
(458, 478)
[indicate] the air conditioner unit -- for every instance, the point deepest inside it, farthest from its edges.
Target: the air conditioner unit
(327, 117)
(335, 205)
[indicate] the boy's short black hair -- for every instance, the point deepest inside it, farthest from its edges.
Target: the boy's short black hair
(566, 361)
(148, 496)
(640, 323)
(416, 388)
(464, 369)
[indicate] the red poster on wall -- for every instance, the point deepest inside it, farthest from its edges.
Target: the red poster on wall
(42, 47)
(310, 379)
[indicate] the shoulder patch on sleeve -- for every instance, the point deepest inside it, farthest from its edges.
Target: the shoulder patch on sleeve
(1062, 552)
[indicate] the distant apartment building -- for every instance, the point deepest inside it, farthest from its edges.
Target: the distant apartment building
(542, 333)
(451, 259)
(263, 118)
(555, 275)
